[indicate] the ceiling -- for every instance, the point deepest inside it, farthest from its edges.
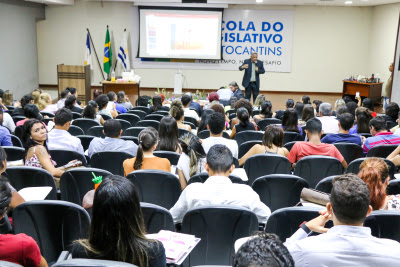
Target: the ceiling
(242, 2)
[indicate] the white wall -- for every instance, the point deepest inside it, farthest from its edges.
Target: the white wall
(329, 44)
(18, 60)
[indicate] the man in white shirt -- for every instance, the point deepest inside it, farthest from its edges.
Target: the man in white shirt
(59, 137)
(218, 189)
(188, 112)
(329, 122)
(61, 102)
(216, 125)
(348, 243)
(8, 121)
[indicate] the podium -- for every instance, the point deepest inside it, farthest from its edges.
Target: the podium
(131, 89)
(77, 77)
(370, 90)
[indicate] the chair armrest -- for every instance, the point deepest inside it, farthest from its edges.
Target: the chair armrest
(65, 255)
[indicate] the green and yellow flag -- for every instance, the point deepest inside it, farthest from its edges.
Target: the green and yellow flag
(107, 54)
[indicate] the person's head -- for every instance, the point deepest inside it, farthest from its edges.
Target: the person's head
(316, 104)
(349, 201)
(5, 195)
(243, 103)
(259, 100)
(112, 128)
(308, 113)
(392, 110)
(168, 131)
(363, 117)
(90, 110)
(33, 133)
(148, 139)
(186, 99)
(313, 127)
(306, 100)
(289, 103)
(213, 96)
(36, 93)
(119, 236)
(31, 111)
(375, 173)
(351, 107)
(273, 136)
(339, 103)
(391, 67)
(63, 118)
(233, 86)
(44, 100)
(102, 101)
(176, 110)
(243, 116)
(96, 94)
(3, 162)
(254, 57)
(266, 109)
(8, 98)
(1, 93)
(121, 97)
(219, 161)
(157, 101)
(290, 120)
(70, 102)
(193, 148)
(26, 99)
(218, 108)
(73, 91)
(112, 97)
(341, 110)
(377, 125)
(347, 99)
(346, 121)
(263, 250)
(162, 97)
(325, 109)
(64, 94)
(205, 118)
(216, 124)
(367, 103)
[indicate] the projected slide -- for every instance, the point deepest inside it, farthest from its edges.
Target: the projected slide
(185, 34)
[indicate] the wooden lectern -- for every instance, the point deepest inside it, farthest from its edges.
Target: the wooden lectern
(77, 77)
(370, 90)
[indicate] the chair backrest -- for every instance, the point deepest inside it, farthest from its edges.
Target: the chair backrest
(354, 167)
(131, 118)
(54, 225)
(156, 218)
(18, 118)
(131, 138)
(14, 153)
(192, 126)
(192, 120)
(230, 111)
(245, 136)
(133, 131)
(218, 227)
(16, 141)
(255, 112)
(75, 130)
(76, 115)
(381, 151)
(161, 112)
(262, 124)
(22, 176)
(291, 136)
(202, 177)
(393, 187)
(110, 161)
(350, 151)
(314, 168)
(124, 124)
(279, 190)
(246, 146)
(147, 123)
(325, 185)
(139, 113)
(232, 116)
(182, 132)
(154, 117)
(366, 135)
(91, 263)
(145, 109)
(75, 183)
(48, 114)
(96, 131)
(105, 117)
(264, 164)
(18, 131)
(384, 224)
(289, 145)
(173, 157)
(62, 156)
(156, 187)
(85, 140)
(85, 124)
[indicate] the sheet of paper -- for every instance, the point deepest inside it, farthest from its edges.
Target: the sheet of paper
(35, 193)
(240, 172)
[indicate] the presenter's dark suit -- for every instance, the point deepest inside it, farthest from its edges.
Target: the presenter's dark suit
(252, 86)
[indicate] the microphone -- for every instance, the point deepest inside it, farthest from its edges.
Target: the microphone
(255, 62)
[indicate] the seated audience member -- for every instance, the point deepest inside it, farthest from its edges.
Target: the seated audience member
(5, 136)
(236, 90)
(329, 123)
(259, 100)
(61, 102)
(290, 121)
(71, 104)
(45, 104)
(195, 105)
(19, 249)
(299, 109)
(314, 146)
(96, 94)
(177, 112)
(308, 113)
(8, 121)
(186, 100)
(119, 236)
(289, 104)
(218, 189)
(347, 243)
(363, 117)
(351, 107)
(316, 104)
(192, 160)
(265, 113)
(347, 99)
(339, 103)
(122, 99)
(205, 118)
(375, 173)
(8, 98)
(31, 112)
(112, 102)
(380, 135)
(224, 95)
(165, 102)
(346, 121)
(90, 112)
(367, 103)
(157, 104)
(395, 156)
(272, 144)
(213, 98)
(263, 250)
(216, 125)
(218, 108)
(112, 129)
(244, 122)
(36, 94)
(242, 103)
(169, 137)
(26, 99)
(392, 114)
(306, 100)
(145, 160)
(74, 92)
(102, 102)
(59, 137)
(341, 110)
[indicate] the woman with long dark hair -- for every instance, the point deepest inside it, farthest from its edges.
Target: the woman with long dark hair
(205, 117)
(70, 103)
(31, 112)
(168, 131)
(363, 116)
(90, 112)
(157, 104)
(266, 111)
(102, 102)
(290, 122)
(120, 234)
(244, 122)
(177, 112)
(148, 139)
(308, 113)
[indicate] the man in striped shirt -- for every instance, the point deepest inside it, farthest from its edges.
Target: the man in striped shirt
(380, 135)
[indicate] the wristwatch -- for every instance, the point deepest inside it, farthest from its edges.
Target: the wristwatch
(305, 228)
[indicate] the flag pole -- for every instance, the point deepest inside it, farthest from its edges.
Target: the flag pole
(90, 36)
(115, 65)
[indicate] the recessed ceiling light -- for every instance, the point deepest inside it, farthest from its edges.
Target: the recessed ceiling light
(259, 1)
(348, 2)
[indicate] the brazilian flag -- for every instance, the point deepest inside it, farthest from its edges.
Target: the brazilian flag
(107, 54)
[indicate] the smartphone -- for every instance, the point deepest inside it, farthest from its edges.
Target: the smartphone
(357, 94)
(69, 165)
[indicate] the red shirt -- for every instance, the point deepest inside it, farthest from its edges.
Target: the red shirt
(20, 249)
(303, 149)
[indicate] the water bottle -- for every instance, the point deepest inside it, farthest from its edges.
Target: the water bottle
(113, 75)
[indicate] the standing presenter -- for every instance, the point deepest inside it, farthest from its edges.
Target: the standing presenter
(251, 80)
